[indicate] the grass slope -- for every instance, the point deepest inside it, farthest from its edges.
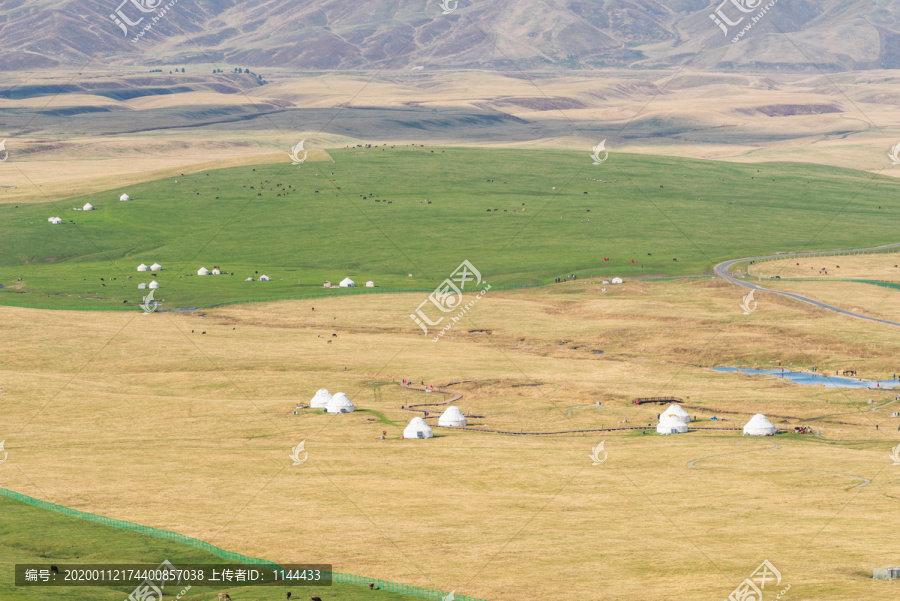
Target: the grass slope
(302, 226)
(32, 535)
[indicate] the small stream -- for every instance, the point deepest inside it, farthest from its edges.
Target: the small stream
(808, 378)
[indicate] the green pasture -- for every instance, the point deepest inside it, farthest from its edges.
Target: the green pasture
(320, 221)
(32, 535)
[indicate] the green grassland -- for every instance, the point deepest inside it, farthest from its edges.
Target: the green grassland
(305, 225)
(33, 535)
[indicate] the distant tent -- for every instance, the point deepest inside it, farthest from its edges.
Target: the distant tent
(417, 428)
(142, 286)
(339, 403)
(216, 271)
(347, 283)
(142, 267)
(320, 400)
(759, 425)
(87, 207)
(452, 418)
(154, 284)
(55, 220)
(203, 271)
(677, 411)
(617, 280)
(250, 279)
(263, 278)
(670, 424)
(124, 197)
(370, 284)
(156, 267)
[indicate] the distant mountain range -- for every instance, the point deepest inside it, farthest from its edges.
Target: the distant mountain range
(312, 35)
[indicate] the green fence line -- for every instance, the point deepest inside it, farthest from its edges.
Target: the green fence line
(231, 556)
(266, 299)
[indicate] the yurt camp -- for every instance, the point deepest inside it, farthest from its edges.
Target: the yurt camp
(417, 428)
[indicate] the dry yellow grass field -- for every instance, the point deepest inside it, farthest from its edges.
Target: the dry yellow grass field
(146, 418)
(728, 109)
(877, 266)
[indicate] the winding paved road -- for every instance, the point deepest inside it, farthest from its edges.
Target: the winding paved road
(722, 270)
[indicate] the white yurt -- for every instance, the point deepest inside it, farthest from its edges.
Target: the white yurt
(452, 418)
(320, 400)
(154, 284)
(370, 284)
(347, 283)
(670, 424)
(87, 207)
(759, 425)
(339, 403)
(156, 267)
(142, 267)
(677, 411)
(142, 286)
(55, 220)
(124, 197)
(417, 428)
(216, 271)
(203, 271)
(617, 280)
(263, 278)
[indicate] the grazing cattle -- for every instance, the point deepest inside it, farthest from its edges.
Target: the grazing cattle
(315, 599)
(224, 596)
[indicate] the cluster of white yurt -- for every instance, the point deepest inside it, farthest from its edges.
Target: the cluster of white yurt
(340, 403)
(124, 197)
(759, 425)
(417, 428)
(452, 417)
(154, 267)
(55, 220)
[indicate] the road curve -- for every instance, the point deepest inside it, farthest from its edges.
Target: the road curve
(722, 271)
